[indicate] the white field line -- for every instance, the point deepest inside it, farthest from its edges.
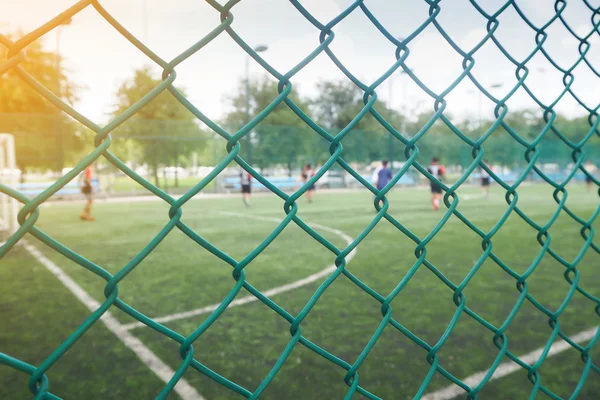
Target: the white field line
(269, 293)
(186, 391)
(503, 369)
(151, 360)
(509, 367)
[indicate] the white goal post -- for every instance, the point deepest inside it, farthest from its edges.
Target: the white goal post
(9, 176)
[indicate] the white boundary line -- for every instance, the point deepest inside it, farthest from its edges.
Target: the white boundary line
(186, 391)
(268, 293)
(447, 393)
(509, 367)
(151, 360)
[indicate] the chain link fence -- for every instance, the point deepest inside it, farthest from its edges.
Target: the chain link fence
(174, 155)
(525, 149)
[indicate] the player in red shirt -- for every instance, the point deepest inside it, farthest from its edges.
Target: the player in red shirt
(246, 182)
(438, 171)
(85, 185)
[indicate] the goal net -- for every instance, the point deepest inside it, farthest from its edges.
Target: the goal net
(9, 175)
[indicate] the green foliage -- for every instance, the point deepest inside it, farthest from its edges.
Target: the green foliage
(161, 133)
(282, 138)
(37, 124)
(338, 102)
(502, 148)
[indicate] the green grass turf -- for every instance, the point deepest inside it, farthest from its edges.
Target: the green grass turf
(38, 312)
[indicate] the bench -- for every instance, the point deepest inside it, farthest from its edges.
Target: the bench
(233, 183)
(33, 189)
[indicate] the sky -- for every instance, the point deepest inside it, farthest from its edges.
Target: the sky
(99, 59)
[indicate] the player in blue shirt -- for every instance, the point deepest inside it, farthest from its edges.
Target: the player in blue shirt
(384, 176)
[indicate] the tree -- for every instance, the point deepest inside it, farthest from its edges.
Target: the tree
(500, 147)
(163, 131)
(338, 103)
(282, 137)
(45, 137)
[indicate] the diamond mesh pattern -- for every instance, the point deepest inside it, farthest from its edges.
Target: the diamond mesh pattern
(233, 142)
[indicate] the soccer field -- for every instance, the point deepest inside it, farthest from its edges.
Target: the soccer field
(179, 282)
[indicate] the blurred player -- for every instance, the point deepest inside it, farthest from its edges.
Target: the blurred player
(438, 171)
(375, 175)
(85, 185)
(246, 182)
(485, 180)
(382, 175)
(588, 180)
(308, 173)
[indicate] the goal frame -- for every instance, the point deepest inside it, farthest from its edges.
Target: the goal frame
(9, 177)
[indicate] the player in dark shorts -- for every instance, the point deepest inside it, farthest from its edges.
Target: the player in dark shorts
(438, 171)
(485, 180)
(589, 183)
(246, 182)
(308, 173)
(85, 186)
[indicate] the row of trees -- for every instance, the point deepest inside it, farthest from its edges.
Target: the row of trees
(47, 138)
(283, 138)
(165, 133)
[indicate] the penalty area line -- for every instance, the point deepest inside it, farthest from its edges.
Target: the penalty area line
(148, 358)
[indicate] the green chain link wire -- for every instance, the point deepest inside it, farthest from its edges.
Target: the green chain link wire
(27, 217)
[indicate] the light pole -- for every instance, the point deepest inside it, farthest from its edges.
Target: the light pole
(542, 72)
(391, 101)
(404, 77)
(404, 101)
(258, 49)
(480, 101)
(390, 136)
